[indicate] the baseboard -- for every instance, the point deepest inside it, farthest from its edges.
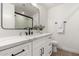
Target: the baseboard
(69, 50)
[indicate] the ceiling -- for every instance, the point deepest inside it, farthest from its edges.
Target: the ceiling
(27, 8)
(49, 5)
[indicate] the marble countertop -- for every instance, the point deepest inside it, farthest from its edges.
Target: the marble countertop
(9, 42)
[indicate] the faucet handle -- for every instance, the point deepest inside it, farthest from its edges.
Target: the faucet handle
(26, 33)
(32, 32)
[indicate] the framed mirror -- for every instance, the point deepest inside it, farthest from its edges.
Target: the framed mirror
(23, 21)
(19, 16)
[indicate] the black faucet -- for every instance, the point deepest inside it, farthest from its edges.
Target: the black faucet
(29, 32)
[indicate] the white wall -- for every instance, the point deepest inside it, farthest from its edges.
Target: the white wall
(43, 17)
(35, 19)
(70, 39)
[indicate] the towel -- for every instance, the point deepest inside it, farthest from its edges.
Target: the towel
(60, 26)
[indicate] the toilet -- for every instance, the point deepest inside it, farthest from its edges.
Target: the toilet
(54, 46)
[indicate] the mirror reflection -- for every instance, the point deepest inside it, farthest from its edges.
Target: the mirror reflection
(23, 21)
(19, 15)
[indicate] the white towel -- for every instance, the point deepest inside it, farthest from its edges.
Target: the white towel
(60, 26)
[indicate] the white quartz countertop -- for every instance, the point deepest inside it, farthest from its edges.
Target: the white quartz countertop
(9, 42)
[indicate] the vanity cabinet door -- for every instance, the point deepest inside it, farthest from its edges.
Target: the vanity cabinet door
(42, 46)
(48, 49)
(38, 51)
(37, 47)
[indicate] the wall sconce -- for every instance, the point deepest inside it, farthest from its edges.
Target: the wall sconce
(55, 22)
(64, 22)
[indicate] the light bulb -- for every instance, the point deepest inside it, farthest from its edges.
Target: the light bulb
(34, 4)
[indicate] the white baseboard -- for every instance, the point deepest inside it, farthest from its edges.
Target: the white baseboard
(69, 49)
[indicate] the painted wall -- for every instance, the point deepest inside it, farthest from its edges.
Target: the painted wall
(69, 12)
(43, 17)
(35, 19)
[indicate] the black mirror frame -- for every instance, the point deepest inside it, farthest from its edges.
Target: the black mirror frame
(16, 13)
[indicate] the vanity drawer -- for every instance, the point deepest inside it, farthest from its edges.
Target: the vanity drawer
(7, 52)
(21, 50)
(40, 41)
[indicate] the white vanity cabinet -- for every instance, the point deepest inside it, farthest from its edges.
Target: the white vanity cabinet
(21, 50)
(42, 46)
(35, 46)
(48, 48)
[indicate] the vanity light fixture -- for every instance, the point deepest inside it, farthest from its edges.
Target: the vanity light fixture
(34, 4)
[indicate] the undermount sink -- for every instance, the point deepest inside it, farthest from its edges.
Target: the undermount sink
(30, 36)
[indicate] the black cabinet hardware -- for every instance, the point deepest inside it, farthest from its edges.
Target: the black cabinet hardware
(18, 52)
(42, 50)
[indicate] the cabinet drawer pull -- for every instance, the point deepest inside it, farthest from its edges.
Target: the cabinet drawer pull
(18, 52)
(43, 51)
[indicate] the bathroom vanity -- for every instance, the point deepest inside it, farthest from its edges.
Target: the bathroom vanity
(31, 45)
(21, 17)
